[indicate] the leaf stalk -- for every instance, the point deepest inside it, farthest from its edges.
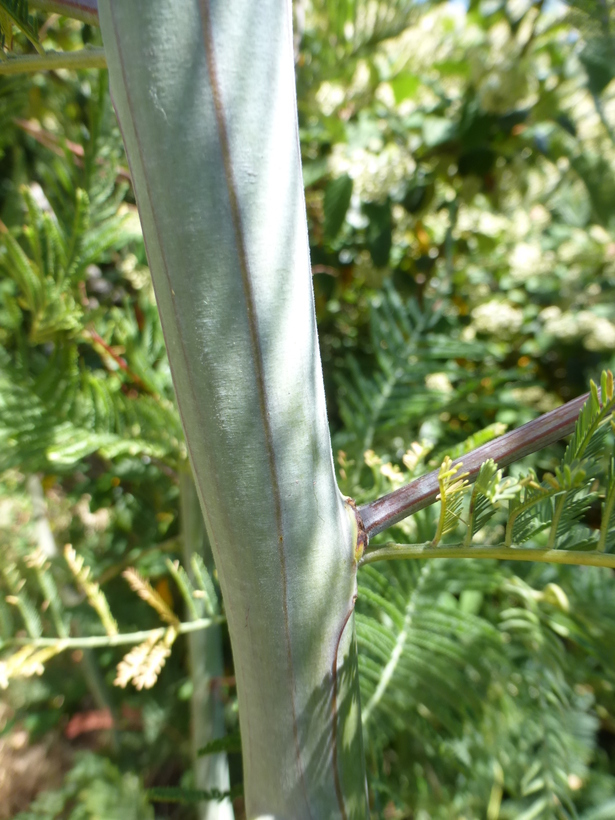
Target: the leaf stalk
(53, 60)
(393, 552)
(121, 639)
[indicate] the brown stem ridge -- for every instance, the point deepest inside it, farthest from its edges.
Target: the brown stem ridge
(423, 491)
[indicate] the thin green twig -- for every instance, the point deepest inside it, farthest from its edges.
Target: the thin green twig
(111, 640)
(394, 552)
(53, 60)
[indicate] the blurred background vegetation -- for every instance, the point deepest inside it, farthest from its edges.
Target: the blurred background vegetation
(459, 166)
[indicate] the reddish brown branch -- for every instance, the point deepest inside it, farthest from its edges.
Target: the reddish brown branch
(122, 363)
(54, 143)
(533, 436)
(49, 140)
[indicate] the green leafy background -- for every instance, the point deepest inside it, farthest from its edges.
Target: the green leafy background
(459, 164)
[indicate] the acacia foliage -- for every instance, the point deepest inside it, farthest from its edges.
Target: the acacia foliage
(459, 181)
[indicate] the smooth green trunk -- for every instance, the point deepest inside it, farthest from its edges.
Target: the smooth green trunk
(205, 96)
(206, 667)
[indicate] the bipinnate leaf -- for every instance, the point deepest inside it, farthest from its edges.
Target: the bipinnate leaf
(228, 743)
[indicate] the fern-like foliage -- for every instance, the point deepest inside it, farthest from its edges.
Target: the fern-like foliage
(557, 730)
(141, 666)
(557, 503)
(417, 646)
(488, 494)
(83, 370)
(171, 794)
(470, 661)
(432, 661)
(418, 355)
(229, 743)
(452, 485)
(53, 261)
(606, 541)
(54, 410)
(17, 13)
(63, 415)
(467, 672)
(545, 513)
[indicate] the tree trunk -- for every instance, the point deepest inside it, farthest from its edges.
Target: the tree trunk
(204, 92)
(205, 659)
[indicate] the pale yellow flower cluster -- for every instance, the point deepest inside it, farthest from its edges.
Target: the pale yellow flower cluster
(595, 332)
(497, 318)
